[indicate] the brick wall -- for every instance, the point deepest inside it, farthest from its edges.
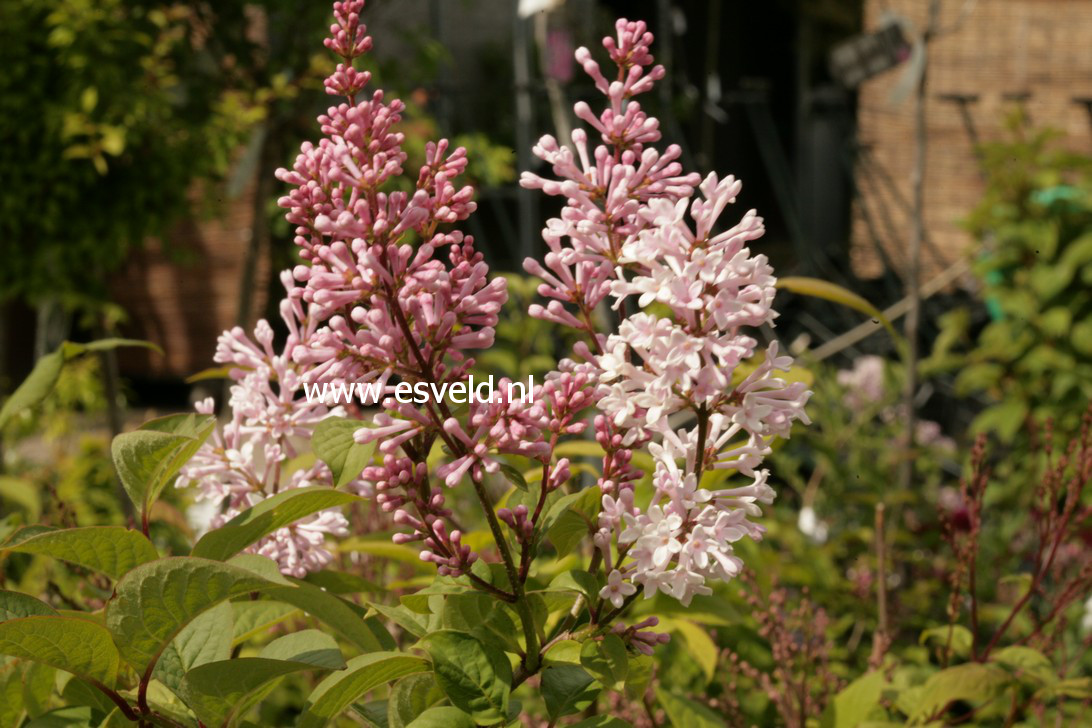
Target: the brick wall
(183, 295)
(1042, 48)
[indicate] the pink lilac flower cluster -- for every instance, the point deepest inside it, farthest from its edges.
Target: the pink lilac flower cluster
(247, 459)
(680, 376)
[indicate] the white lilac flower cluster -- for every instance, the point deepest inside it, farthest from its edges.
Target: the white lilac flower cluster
(680, 374)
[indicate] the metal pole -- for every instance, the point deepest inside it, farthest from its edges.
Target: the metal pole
(526, 245)
(917, 235)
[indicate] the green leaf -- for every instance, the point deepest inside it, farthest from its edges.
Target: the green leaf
(309, 646)
(685, 713)
(47, 370)
(443, 717)
(333, 443)
(153, 602)
(817, 288)
(345, 618)
(483, 617)
(855, 702)
(36, 387)
(110, 550)
(39, 681)
(567, 689)
(206, 639)
(700, 645)
(640, 674)
(476, 677)
(373, 713)
(1026, 661)
(11, 693)
(78, 646)
(579, 581)
(513, 476)
(606, 660)
(956, 636)
(22, 493)
(255, 617)
(410, 697)
(1079, 688)
(404, 617)
(973, 682)
(147, 459)
(217, 691)
(77, 716)
(572, 518)
(367, 672)
(221, 692)
(14, 605)
(272, 513)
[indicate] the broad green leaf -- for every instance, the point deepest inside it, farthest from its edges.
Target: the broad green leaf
(476, 677)
(567, 689)
(14, 605)
(206, 639)
(700, 645)
(272, 513)
(218, 692)
(333, 443)
(817, 288)
(11, 693)
(110, 550)
(309, 646)
(955, 637)
(255, 617)
(578, 448)
(972, 682)
(443, 717)
(639, 676)
(381, 546)
(341, 582)
(855, 702)
(410, 697)
(686, 713)
(363, 674)
(404, 617)
(513, 476)
(373, 713)
(578, 581)
(76, 716)
(153, 602)
(39, 681)
(22, 493)
(606, 660)
(572, 518)
(483, 617)
(148, 458)
(1026, 661)
(81, 692)
(345, 618)
(221, 692)
(78, 646)
(1079, 688)
(36, 387)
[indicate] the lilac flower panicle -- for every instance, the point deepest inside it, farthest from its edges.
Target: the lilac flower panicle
(636, 230)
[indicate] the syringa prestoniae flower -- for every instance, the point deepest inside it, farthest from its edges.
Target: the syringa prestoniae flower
(682, 376)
